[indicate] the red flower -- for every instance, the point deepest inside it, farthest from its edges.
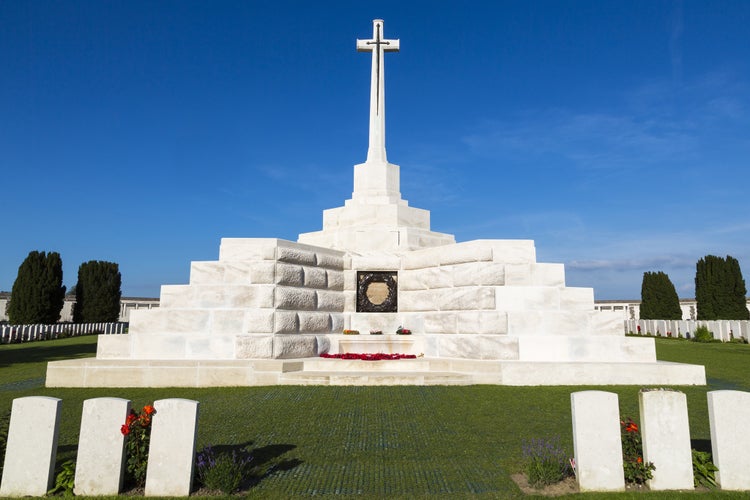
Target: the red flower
(631, 427)
(125, 430)
(132, 417)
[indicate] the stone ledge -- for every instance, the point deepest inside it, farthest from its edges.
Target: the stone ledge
(91, 372)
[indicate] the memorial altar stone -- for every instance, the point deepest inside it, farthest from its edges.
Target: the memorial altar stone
(482, 311)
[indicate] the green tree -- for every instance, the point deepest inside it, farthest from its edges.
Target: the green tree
(720, 290)
(97, 292)
(658, 297)
(38, 293)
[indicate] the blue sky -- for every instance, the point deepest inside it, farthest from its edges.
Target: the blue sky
(615, 134)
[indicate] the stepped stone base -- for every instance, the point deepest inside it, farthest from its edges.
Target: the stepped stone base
(91, 372)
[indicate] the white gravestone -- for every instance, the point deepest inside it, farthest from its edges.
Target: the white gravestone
(101, 447)
(596, 441)
(171, 454)
(32, 446)
(666, 438)
(728, 413)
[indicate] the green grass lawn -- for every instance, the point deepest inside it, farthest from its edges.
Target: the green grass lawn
(405, 442)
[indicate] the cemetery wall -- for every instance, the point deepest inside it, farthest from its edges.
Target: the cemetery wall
(724, 330)
(127, 304)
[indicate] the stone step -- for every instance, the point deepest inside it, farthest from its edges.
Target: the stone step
(402, 365)
(374, 378)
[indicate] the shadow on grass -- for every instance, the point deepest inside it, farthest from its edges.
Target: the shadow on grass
(47, 350)
(266, 460)
(701, 445)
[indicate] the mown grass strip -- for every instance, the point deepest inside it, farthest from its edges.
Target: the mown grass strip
(374, 442)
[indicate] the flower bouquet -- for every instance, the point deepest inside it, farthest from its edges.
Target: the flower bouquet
(351, 332)
(403, 331)
(376, 332)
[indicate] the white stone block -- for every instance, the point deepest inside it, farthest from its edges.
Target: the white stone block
(315, 277)
(294, 346)
(31, 448)
(596, 441)
(378, 262)
(466, 298)
(440, 322)
(263, 272)
(350, 280)
(335, 279)
(666, 438)
(330, 261)
(417, 300)
(474, 251)
(169, 320)
(158, 346)
(314, 322)
(286, 322)
(482, 322)
(172, 449)
(254, 346)
(113, 346)
(728, 413)
(479, 273)
(578, 298)
(259, 321)
(338, 324)
(289, 274)
(100, 463)
(296, 256)
(233, 249)
(527, 298)
(330, 301)
(295, 299)
(420, 259)
(240, 273)
(518, 275)
(206, 272)
(227, 321)
(472, 346)
(549, 275)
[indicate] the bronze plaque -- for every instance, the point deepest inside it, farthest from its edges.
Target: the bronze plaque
(377, 291)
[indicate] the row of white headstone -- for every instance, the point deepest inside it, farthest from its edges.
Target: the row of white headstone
(31, 449)
(13, 334)
(32, 443)
(665, 435)
(724, 330)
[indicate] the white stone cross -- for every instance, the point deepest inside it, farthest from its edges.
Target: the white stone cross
(378, 46)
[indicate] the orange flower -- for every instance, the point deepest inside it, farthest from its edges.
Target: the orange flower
(639, 460)
(631, 427)
(132, 417)
(149, 410)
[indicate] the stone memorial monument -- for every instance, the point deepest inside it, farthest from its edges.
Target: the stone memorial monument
(482, 311)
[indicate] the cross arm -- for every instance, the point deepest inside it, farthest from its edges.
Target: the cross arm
(368, 45)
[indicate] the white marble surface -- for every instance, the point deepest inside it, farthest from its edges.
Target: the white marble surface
(171, 455)
(728, 413)
(100, 463)
(31, 448)
(596, 441)
(665, 431)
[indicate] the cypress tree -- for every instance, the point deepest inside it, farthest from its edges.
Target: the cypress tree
(97, 292)
(659, 298)
(720, 290)
(38, 294)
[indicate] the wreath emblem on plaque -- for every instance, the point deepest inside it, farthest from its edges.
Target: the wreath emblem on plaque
(377, 291)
